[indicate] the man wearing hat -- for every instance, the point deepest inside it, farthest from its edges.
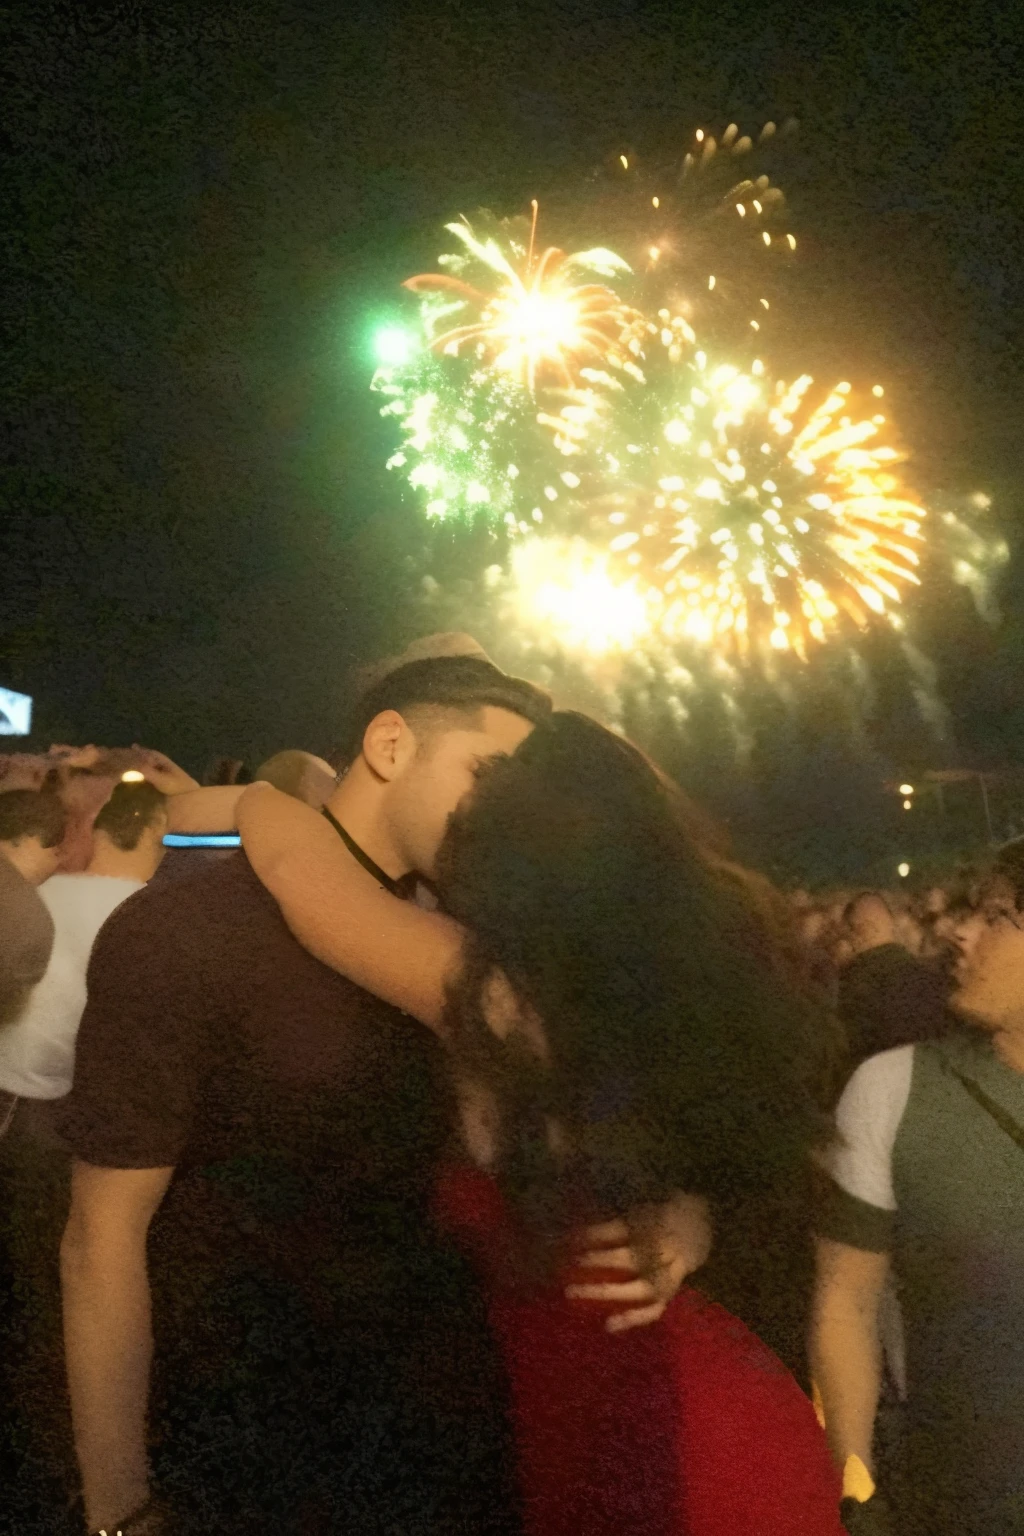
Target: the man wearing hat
(264, 1330)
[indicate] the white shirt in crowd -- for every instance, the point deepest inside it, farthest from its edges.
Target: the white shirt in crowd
(868, 1117)
(37, 1050)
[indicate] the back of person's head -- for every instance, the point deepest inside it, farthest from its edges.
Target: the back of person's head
(683, 1051)
(32, 826)
(299, 774)
(438, 693)
(31, 813)
(131, 812)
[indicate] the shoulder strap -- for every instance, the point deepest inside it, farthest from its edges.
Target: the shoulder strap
(1005, 1121)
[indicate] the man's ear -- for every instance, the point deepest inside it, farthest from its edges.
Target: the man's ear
(388, 743)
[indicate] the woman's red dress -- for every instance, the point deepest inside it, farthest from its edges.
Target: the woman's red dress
(689, 1426)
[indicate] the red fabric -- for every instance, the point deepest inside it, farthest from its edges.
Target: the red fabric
(687, 1427)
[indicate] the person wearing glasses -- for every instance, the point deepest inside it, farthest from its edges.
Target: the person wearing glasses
(926, 1181)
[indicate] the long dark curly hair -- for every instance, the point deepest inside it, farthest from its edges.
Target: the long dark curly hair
(683, 1051)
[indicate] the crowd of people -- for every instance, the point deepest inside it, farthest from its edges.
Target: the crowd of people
(452, 1139)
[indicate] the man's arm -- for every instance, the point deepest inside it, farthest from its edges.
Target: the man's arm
(107, 1332)
(845, 1348)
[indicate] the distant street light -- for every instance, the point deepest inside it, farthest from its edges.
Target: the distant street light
(903, 870)
(906, 789)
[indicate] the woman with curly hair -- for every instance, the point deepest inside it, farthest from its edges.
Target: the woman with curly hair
(623, 1023)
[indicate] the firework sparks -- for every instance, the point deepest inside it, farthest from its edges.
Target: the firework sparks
(533, 317)
(710, 230)
(565, 589)
(663, 496)
(463, 437)
(756, 520)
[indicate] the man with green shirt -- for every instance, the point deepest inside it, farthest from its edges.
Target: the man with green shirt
(927, 1179)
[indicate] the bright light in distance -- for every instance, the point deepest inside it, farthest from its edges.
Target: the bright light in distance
(133, 776)
(392, 346)
(903, 870)
(906, 789)
(908, 805)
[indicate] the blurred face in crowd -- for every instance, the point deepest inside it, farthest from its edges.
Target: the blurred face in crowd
(990, 971)
(957, 930)
(430, 765)
(908, 932)
(869, 924)
(812, 927)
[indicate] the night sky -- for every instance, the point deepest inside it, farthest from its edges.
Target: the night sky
(207, 207)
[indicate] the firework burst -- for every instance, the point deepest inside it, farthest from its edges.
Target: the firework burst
(535, 317)
(708, 233)
(663, 494)
(758, 517)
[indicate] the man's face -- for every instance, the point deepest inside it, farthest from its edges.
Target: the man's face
(442, 773)
(990, 969)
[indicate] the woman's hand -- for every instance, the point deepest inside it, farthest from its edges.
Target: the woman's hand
(680, 1233)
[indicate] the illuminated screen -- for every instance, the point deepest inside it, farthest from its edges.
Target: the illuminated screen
(15, 713)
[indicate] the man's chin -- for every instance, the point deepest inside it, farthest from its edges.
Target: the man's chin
(960, 1003)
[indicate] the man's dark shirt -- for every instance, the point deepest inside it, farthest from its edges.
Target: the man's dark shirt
(887, 998)
(288, 1099)
(305, 1120)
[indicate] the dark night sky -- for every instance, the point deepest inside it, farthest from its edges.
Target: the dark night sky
(204, 204)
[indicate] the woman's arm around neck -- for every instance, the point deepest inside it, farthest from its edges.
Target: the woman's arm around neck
(338, 911)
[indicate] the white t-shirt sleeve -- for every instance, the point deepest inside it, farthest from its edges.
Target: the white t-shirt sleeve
(868, 1119)
(37, 1051)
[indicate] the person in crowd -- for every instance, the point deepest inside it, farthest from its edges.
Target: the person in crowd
(256, 1142)
(227, 770)
(31, 830)
(36, 1061)
(886, 997)
(623, 1021)
(307, 777)
(955, 929)
(927, 1179)
(37, 1054)
(83, 779)
(201, 821)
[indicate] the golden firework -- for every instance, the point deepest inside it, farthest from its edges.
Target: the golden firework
(534, 317)
(757, 520)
